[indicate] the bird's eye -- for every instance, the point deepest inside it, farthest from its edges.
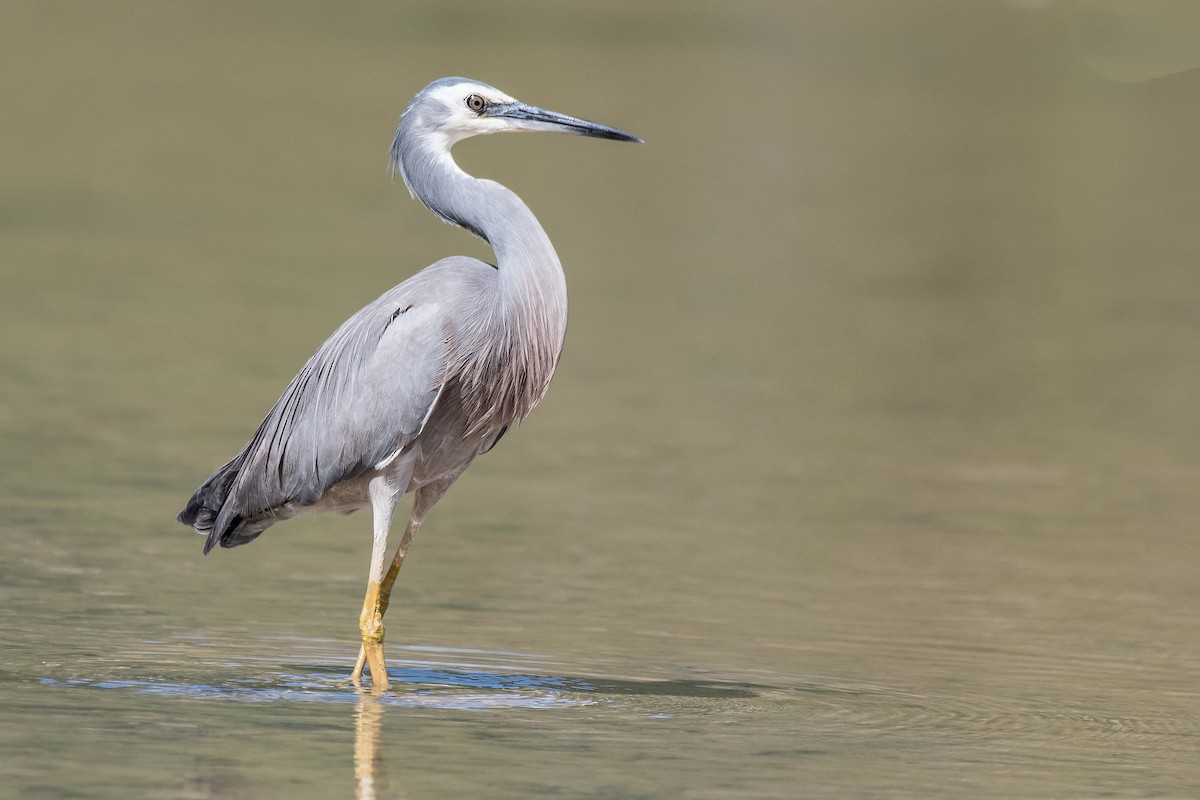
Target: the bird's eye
(476, 103)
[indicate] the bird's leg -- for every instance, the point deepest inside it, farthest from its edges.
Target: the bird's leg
(423, 502)
(389, 580)
(370, 623)
(424, 499)
(383, 593)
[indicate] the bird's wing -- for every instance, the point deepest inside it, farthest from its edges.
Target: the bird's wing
(364, 396)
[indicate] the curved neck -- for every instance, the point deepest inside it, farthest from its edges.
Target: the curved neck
(512, 336)
(528, 265)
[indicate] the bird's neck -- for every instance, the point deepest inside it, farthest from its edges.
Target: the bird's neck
(513, 347)
(530, 280)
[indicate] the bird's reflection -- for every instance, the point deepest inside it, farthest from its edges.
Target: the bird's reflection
(370, 777)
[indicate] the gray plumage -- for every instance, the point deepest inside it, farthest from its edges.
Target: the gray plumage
(412, 388)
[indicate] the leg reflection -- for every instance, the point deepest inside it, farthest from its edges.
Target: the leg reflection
(369, 774)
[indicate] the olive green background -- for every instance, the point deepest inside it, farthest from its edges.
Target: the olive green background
(870, 468)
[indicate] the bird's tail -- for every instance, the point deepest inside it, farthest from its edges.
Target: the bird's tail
(202, 510)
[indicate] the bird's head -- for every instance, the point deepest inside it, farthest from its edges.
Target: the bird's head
(452, 109)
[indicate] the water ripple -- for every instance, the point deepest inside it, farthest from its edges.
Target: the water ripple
(477, 684)
(477, 680)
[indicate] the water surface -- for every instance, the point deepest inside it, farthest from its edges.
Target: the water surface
(870, 468)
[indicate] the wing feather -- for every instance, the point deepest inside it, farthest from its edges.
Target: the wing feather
(364, 396)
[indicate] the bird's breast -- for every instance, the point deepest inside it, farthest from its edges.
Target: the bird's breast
(504, 373)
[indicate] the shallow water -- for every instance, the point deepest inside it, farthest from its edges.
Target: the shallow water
(870, 468)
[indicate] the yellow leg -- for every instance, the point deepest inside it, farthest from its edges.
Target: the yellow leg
(389, 580)
(375, 606)
(370, 625)
(383, 493)
(379, 588)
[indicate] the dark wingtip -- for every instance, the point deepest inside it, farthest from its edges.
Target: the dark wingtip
(210, 540)
(223, 532)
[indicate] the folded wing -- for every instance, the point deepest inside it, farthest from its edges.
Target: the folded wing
(361, 399)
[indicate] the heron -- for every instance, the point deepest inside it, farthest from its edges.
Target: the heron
(406, 394)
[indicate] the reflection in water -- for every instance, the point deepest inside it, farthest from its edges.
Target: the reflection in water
(785, 715)
(369, 773)
(903, 501)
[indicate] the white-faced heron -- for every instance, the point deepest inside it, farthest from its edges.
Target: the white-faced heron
(408, 391)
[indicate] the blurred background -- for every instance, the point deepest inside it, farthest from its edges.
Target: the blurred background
(870, 467)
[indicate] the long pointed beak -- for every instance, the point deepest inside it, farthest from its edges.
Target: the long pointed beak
(532, 118)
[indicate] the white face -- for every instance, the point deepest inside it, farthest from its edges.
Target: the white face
(463, 121)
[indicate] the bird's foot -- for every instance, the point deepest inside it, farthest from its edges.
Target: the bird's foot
(370, 654)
